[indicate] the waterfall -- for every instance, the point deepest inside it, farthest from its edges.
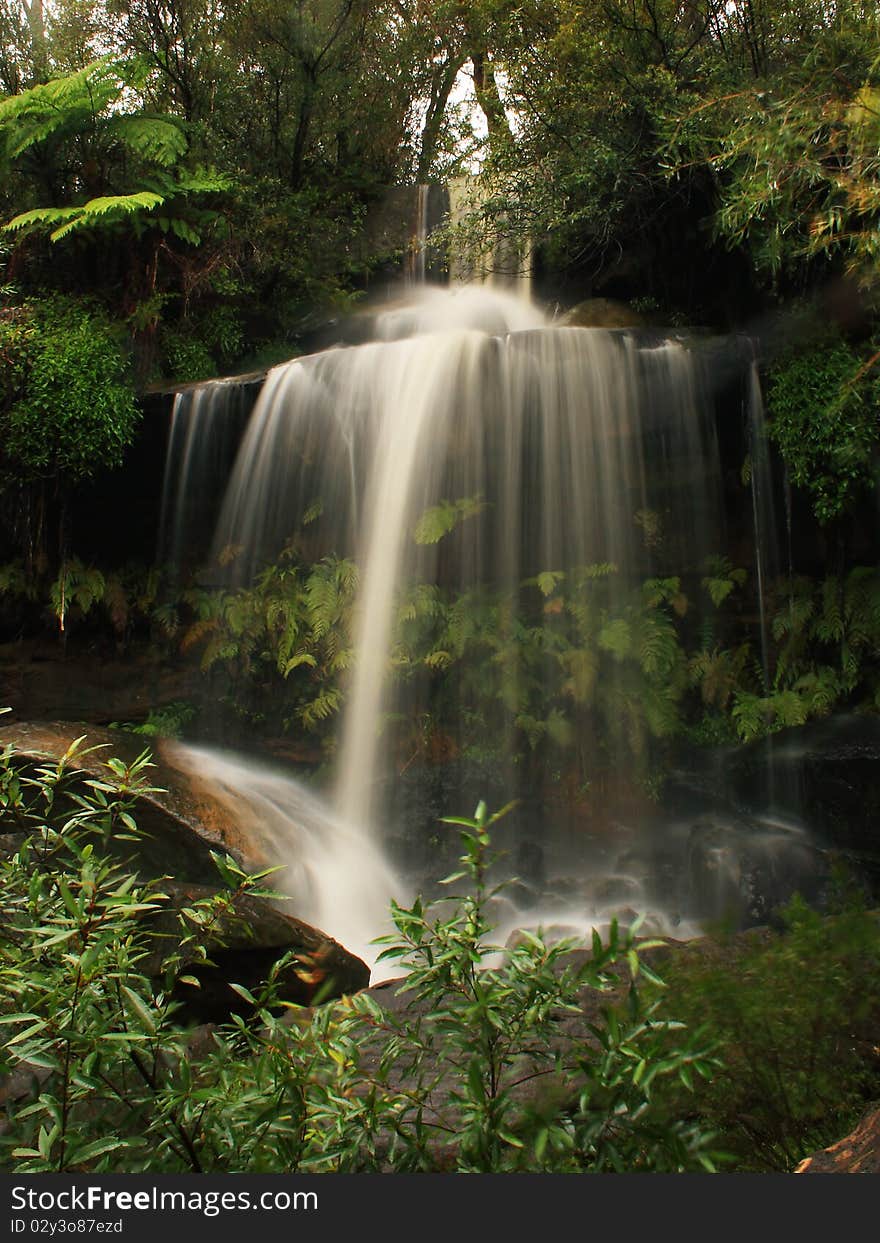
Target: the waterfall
(338, 880)
(474, 456)
(505, 265)
(416, 259)
(763, 508)
(207, 422)
(559, 443)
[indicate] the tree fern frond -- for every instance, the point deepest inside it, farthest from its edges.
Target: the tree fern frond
(160, 140)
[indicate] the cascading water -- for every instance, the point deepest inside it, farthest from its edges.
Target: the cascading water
(506, 266)
(207, 422)
(544, 433)
(336, 877)
(763, 510)
(475, 457)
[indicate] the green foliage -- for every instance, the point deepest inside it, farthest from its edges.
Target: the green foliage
(85, 109)
(796, 1017)
(167, 722)
(67, 407)
(113, 1080)
(293, 623)
(482, 1034)
(441, 519)
(104, 1077)
(828, 633)
(121, 601)
(563, 658)
(186, 356)
(824, 408)
(721, 579)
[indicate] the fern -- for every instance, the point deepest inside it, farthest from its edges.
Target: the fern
(798, 610)
(721, 578)
(88, 108)
(616, 637)
(581, 665)
(77, 585)
(719, 673)
(438, 660)
(443, 518)
(16, 582)
(297, 661)
(657, 591)
(323, 706)
(660, 707)
(656, 644)
(546, 582)
(156, 139)
(830, 625)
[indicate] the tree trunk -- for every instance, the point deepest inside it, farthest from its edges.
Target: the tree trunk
(489, 99)
(441, 90)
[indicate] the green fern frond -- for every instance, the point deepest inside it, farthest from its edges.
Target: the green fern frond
(160, 140)
(321, 708)
(295, 662)
(656, 644)
(95, 212)
(439, 520)
(616, 637)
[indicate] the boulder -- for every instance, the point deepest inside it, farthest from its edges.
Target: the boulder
(602, 313)
(856, 1153)
(244, 940)
(181, 819)
(823, 777)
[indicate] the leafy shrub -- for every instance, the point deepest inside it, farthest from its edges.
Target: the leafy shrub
(482, 1034)
(166, 722)
(67, 408)
(112, 1080)
(823, 409)
(187, 357)
(795, 1017)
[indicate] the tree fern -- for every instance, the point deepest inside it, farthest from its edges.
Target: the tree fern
(90, 111)
(155, 139)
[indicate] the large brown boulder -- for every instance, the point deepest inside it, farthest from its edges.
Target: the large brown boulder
(856, 1153)
(181, 818)
(245, 937)
(602, 313)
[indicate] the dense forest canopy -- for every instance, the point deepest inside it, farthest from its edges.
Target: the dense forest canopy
(192, 164)
(198, 183)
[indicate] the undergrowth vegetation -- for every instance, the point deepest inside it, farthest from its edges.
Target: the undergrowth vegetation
(577, 667)
(101, 1075)
(560, 1059)
(795, 1017)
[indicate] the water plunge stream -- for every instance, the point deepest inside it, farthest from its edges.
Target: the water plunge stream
(470, 447)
